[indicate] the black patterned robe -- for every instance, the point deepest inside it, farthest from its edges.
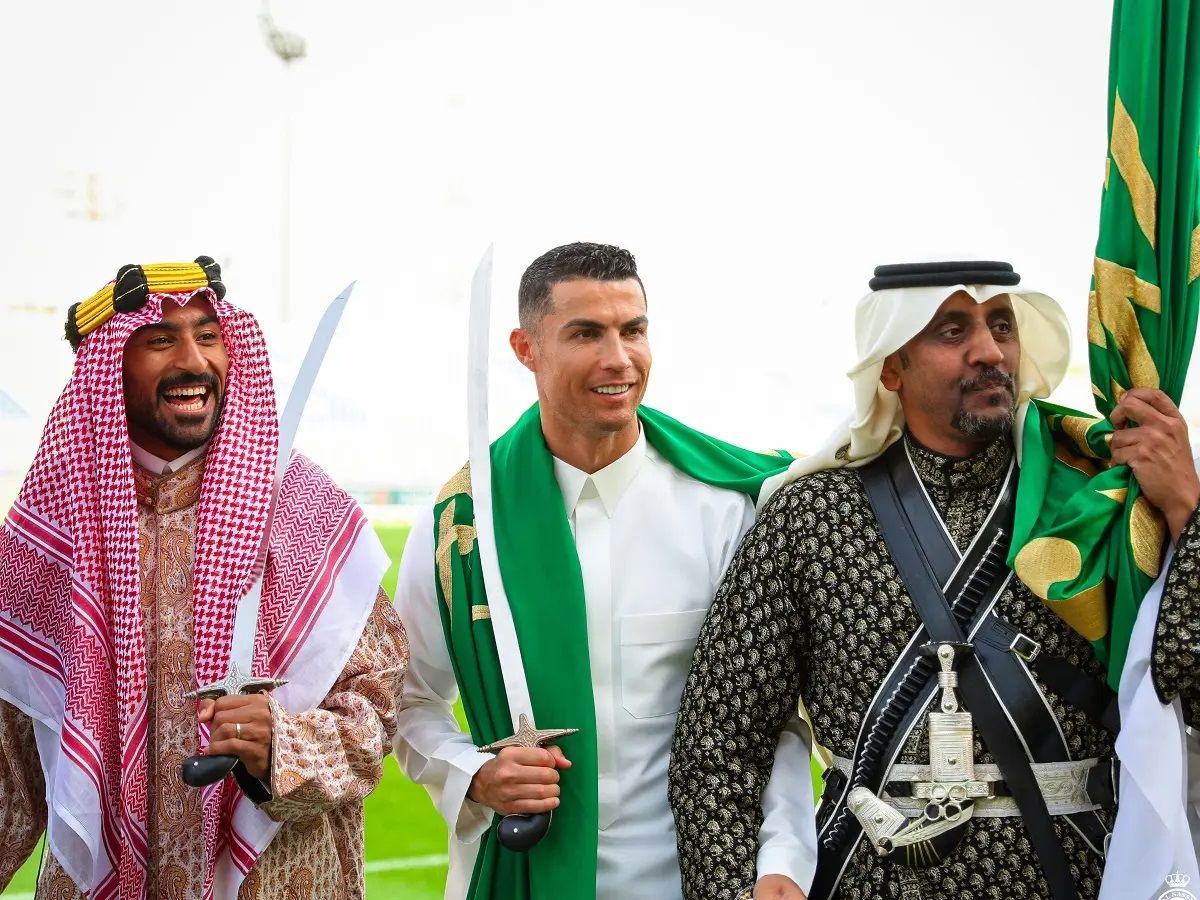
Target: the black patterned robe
(812, 605)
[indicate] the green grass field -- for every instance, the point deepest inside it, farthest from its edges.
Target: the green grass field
(406, 840)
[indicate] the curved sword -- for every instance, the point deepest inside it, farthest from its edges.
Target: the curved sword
(201, 770)
(517, 832)
(507, 647)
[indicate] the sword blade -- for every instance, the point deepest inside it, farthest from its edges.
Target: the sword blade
(245, 621)
(507, 647)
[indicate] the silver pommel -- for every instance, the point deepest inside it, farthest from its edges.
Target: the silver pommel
(947, 678)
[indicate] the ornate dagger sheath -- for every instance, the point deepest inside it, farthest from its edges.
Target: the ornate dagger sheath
(951, 792)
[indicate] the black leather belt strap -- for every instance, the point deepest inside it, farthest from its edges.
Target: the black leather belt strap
(972, 581)
(1004, 743)
(1091, 695)
(1035, 723)
(1005, 654)
(1103, 783)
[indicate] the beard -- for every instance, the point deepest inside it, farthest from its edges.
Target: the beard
(182, 432)
(979, 427)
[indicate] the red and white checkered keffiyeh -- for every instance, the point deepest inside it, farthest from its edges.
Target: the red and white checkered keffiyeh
(72, 651)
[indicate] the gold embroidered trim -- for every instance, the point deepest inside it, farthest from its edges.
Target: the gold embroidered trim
(1080, 464)
(1194, 265)
(1086, 612)
(1049, 560)
(459, 484)
(1127, 154)
(1046, 561)
(1117, 391)
(1110, 311)
(1123, 282)
(1077, 428)
(479, 613)
(451, 537)
(465, 535)
(1147, 532)
(441, 556)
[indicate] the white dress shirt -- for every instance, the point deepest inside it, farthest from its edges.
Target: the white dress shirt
(653, 545)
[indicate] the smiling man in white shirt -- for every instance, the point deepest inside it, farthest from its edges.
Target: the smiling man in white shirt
(614, 524)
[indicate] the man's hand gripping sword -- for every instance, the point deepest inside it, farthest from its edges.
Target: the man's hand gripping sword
(202, 770)
(521, 832)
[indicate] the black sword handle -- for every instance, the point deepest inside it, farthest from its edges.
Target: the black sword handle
(523, 832)
(202, 770)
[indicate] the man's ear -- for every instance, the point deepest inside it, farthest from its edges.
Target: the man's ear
(890, 376)
(522, 347)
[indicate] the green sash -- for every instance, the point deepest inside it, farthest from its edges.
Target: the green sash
(544, 584)
(1085, 540)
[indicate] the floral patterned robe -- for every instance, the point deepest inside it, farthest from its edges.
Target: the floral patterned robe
(323, 761)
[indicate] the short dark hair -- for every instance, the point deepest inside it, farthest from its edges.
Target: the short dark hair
(602, 262)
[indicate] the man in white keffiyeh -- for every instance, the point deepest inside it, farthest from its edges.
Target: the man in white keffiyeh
(121, 563)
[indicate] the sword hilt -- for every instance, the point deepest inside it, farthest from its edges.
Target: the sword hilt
(227, 688)
(522, 831)
(204, 769)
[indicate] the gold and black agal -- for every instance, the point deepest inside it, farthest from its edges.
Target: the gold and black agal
(133, 284)
(950, 793)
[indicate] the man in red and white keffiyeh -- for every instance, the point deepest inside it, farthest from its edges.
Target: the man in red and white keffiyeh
(121, 563)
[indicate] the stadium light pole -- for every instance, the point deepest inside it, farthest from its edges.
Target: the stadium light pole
(289, 47)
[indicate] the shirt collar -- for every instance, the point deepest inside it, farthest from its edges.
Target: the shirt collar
(609, 484)
(152, 463)
(956, 473)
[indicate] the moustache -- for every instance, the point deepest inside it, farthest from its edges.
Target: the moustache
(988, 378)
(173, 381)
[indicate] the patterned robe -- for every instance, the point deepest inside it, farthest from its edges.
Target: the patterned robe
(323, 761)
(812, 605)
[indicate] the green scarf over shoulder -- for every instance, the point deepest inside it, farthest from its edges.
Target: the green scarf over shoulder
(542, 578)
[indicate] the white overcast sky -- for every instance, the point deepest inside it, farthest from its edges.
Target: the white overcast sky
(758, 157)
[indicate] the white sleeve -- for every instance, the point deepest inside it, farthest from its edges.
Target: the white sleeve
(1192, 743)
(432, 749)
(741, 518)
(787, 840)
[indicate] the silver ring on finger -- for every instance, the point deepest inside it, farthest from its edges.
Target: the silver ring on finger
(237, 730)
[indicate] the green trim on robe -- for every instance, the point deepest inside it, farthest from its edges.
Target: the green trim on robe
(544, 584)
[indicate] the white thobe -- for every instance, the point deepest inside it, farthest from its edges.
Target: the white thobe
(653, 545)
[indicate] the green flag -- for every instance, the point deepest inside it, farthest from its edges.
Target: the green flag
(1085, 540)
(544, 584)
